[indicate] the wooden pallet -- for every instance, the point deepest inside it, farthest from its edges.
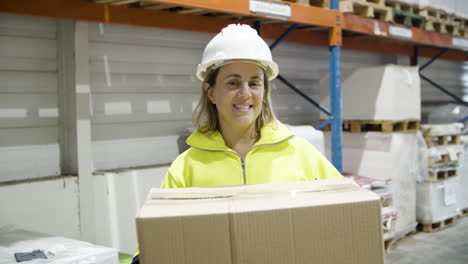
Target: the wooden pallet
(435, 26)
(408, 18)
(461, 22)
(430, 12)
(437, 226)
(399, 5)
(317, 3)
(444, 140)
(375, 2)
(463, 213)
(367, 9)
(385, 126)
(442, 175)
(301, 2)
(320, 3)
(444, 160)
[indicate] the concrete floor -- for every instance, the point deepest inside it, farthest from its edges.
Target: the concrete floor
(447, 246)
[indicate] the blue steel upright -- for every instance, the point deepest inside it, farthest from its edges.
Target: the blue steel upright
(335, 102)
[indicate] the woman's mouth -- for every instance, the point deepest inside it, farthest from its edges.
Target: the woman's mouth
(243, 108)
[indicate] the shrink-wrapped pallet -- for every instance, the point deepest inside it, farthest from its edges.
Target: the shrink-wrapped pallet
(462, 193)
(437, 201)
(389, 157)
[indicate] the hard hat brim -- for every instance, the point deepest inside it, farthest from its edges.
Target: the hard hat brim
(270, 68)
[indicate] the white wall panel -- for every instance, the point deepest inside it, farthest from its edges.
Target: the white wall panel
(28, 98)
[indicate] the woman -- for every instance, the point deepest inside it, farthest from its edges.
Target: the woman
(238, 138)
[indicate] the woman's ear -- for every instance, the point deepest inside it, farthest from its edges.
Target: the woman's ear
(209, 92)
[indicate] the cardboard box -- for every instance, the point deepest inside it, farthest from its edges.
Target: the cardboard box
(329, 221)
(389, 92)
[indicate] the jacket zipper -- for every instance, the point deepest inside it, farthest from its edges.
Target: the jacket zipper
(264, 145)
(243, 169)
(243, 159)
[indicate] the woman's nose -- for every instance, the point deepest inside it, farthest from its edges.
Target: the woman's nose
(245, 90)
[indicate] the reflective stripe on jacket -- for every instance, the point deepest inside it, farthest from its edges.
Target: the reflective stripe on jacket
(278, 156)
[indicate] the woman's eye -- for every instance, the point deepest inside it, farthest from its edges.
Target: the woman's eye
(255, 84)
(232, 83)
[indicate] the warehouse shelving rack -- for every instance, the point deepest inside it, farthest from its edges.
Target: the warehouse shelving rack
(302, 24)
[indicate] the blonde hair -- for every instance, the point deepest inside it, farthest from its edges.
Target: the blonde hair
(205, 116)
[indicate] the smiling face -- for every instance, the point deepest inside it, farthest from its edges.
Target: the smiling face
(238, 94)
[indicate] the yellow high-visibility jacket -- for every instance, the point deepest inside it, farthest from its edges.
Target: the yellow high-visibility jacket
(278, 156)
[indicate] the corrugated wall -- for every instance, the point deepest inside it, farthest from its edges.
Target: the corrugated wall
(28, 98)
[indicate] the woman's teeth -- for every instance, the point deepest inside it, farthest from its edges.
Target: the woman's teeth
(242, 107)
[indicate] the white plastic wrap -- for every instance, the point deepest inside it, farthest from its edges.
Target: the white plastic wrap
(387, 92)
(423, 160)
(387, 156)
(309, 133)
(462, 194)
(449, 113)
(437, 202)
(59, 250)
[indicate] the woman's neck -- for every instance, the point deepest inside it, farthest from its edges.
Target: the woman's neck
(240, 139)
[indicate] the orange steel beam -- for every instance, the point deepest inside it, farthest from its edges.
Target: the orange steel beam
(368, 26)
(400, 49)
(309, 15)
(86, 11)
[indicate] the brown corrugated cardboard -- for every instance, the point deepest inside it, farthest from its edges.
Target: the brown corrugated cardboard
(330, 221)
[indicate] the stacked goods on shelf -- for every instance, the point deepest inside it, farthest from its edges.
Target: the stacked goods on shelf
(403, 13)
(389, 213)
(462, 194)
(443, 17)
(383, 99)
(437, 186)
(367, 8)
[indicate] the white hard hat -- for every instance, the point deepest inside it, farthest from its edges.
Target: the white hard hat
(237, 42)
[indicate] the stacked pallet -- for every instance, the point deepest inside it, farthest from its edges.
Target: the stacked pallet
(378, 99)
(367, 8)
(389, 212)
(437, 188)
(381, 113)
(404, 13)
(438, 20)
